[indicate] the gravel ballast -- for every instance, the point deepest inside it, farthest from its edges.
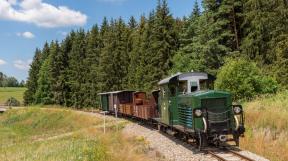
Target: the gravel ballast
(172, 149)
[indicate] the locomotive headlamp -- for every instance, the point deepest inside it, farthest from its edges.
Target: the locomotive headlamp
(197, 112)
(237, 110)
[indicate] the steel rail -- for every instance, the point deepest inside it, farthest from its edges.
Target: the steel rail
(221, 158)
(240, 155)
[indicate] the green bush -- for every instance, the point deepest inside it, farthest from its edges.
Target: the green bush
(12, 102)
(244, 80)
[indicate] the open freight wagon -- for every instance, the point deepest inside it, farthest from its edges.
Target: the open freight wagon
(130, 103)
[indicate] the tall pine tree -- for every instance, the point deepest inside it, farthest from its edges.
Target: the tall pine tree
(32, 84)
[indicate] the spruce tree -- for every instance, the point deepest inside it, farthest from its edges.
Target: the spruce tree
(186, 59)
(77, 69)
(43, 93)
(143, 77)
(266, 33)
(32, 84)
(65, 51)
(211, 37)
(57, 64)
(92, 63)
(161, 43)
(134, 71)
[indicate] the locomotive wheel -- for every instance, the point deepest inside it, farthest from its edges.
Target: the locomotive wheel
(159, 127)
(236, 139)
(199, 141)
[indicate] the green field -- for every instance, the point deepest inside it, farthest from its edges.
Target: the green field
(57, 134)
(267, 126)
(7, 92)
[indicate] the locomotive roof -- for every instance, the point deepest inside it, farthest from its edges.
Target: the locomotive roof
(115, 92)
(204, 92)
(183, 76)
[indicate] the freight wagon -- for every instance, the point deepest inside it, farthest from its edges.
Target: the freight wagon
(130, 103)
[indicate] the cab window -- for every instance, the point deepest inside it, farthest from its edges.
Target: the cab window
(206, 84)
(194, 86)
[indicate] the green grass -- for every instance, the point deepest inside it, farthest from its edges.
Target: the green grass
(7, 92)
(58, 134)
(267, 126)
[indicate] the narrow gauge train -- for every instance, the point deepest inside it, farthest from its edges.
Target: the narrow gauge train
(185, 106)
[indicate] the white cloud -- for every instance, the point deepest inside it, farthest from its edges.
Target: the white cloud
(22, 65)
(63, 33)
(26, 34)
(2, 62)
(40, 13)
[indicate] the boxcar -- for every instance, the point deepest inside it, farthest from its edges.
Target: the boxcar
(129, 103)
(144, 108)
(111, 101)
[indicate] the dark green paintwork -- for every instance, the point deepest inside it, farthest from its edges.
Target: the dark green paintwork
(191, 101)
(181, 107)
(164, 97)
(104, 102)
(173, 111)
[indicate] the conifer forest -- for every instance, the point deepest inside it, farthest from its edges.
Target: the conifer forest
(136, 54)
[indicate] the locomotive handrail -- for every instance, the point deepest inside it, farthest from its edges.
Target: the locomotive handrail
(205, 124)
(237, 122)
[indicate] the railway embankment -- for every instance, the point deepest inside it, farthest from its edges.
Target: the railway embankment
(176, 150)
(267, 126)
(62, 134)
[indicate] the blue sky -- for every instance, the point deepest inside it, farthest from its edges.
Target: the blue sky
(27, 24)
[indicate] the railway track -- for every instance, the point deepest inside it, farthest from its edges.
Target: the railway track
(227, 155)
(221, 154)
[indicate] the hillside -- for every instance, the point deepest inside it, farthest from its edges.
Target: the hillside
(267, 132)
(7, 92)
(54, 134)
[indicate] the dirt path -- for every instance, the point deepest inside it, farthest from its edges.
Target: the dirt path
(108, 125)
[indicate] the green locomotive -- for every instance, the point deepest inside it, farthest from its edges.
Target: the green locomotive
(190, 108)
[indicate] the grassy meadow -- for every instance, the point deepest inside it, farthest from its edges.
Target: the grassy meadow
(58, 134)
(7, 92)
(267, 127)
(29, 134)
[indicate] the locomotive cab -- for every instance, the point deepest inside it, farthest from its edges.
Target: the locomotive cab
(189, 106)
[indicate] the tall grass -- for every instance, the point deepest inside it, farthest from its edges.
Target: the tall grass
(40, 134)
(267, 126)
(7, 92)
